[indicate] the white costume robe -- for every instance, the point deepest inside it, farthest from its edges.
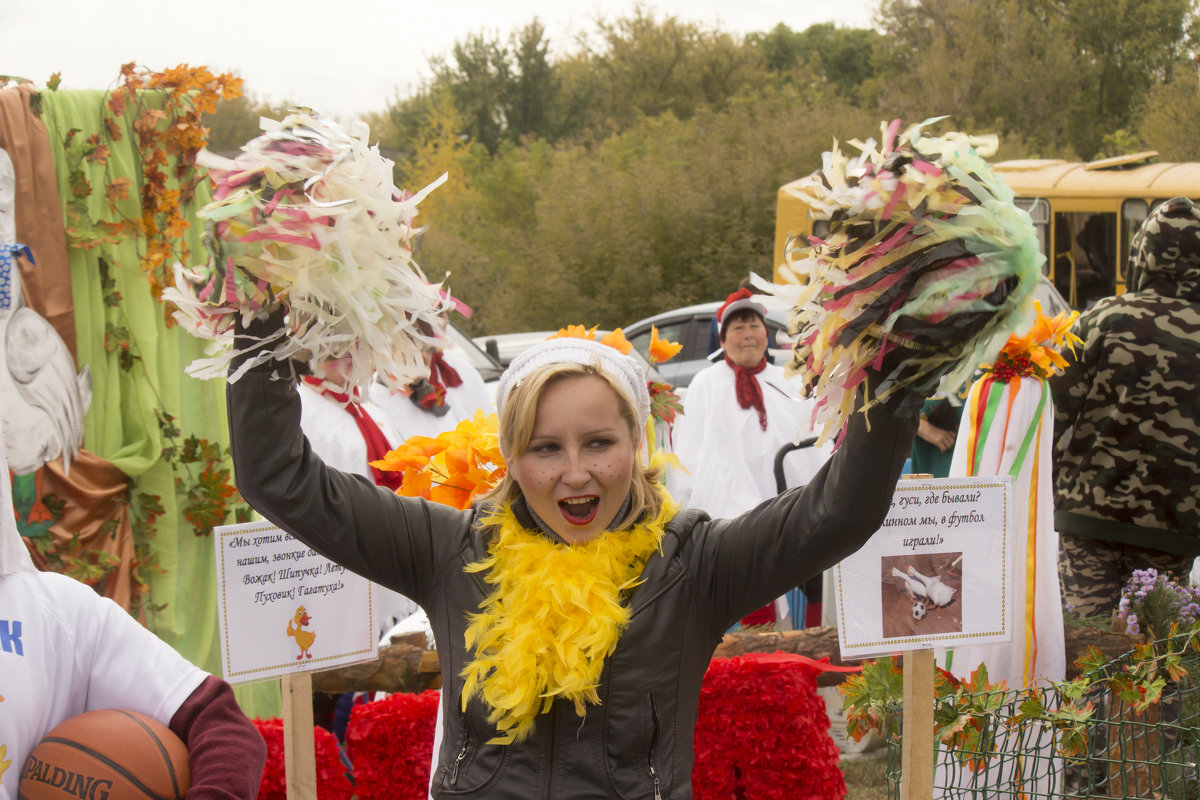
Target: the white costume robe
(729, 458)
(1038, 648)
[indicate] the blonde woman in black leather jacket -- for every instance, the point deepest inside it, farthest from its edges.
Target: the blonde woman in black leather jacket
(575, 609)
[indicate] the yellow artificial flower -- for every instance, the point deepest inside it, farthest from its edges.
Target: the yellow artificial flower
(454, 468)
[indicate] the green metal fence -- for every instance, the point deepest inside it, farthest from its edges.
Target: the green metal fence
(1151, 754)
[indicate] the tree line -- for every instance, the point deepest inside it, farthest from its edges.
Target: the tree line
(636, 167)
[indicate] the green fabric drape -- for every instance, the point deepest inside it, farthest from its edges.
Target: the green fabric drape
(121, 425)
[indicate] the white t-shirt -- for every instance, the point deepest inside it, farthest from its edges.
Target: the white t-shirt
(65, 650)
(730, 458)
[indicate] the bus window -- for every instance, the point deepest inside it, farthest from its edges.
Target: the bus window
(1039, 213)
(1085, 258)
(1133, 214)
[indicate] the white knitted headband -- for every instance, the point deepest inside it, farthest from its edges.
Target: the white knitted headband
(625, 371)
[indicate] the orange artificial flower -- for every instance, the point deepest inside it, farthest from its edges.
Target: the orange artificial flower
(575, 332)
(660, 349)
(414, 453)
(616, 340)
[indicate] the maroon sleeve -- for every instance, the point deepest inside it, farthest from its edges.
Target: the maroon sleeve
(227, 752)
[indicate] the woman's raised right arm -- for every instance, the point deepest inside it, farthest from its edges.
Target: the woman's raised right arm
(398, 542)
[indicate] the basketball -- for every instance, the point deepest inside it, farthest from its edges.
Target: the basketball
(107, 755)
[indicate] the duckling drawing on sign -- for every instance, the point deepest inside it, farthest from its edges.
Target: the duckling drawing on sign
(304, 639)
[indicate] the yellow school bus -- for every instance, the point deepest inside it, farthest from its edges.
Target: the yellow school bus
(1085, 213)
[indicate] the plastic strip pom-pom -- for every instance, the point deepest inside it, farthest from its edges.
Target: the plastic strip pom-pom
(926, 269)
(307, 216)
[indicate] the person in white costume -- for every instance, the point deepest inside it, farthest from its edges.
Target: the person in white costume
(737, 414)
(462, 393)
(65, 650)
(1016, 441)
(1037, 652)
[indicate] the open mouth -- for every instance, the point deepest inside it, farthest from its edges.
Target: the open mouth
(579, 510)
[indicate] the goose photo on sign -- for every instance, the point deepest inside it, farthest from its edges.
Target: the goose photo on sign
(934, 574)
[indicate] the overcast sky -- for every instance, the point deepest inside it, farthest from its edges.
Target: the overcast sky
(342, 57)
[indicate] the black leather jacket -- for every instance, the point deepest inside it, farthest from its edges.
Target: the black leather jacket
(638, 742)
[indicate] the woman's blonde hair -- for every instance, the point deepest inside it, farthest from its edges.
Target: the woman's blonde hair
(518, 416)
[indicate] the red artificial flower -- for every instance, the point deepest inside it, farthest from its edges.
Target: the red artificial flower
(787, 753)
(332, 783)
(390, 743)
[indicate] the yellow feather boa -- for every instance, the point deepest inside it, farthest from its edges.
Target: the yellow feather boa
(553, 619)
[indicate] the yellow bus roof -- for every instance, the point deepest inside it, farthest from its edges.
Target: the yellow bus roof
(1057, 178)
(1075, 183)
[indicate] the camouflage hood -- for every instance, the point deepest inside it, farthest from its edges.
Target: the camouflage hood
(1165, 255)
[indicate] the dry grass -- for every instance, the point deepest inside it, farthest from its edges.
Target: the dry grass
(866, 777)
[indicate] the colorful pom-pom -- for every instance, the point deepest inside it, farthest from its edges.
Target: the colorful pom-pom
(926, 269)
(307, 216)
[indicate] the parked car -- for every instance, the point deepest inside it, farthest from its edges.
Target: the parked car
(504, 347)
(692, 327)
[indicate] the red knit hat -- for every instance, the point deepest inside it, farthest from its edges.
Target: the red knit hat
(739, 300)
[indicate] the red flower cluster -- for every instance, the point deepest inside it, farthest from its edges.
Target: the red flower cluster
(332, 783)
(390, 743)
(1018, 366)
(762, 733)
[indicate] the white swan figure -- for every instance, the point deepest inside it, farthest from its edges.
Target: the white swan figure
(938, 592)
(913, 588)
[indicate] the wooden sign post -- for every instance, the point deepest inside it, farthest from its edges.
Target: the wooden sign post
(299, 748)
(916, 746)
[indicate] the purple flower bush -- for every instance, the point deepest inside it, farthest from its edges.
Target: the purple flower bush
(1153, 603)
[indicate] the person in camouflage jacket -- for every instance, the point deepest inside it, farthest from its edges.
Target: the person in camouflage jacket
(1127, 422)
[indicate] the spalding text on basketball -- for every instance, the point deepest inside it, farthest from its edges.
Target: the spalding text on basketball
(85, 787)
